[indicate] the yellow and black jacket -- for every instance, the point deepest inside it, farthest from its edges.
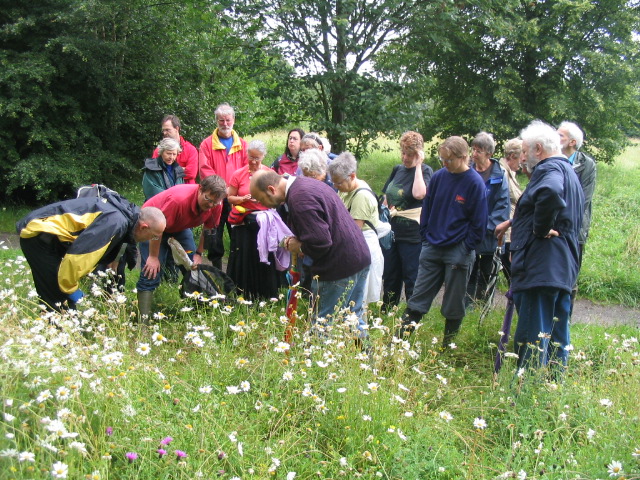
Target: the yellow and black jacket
(91, 229)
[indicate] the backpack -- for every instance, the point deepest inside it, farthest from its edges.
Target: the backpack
(97, 190)
(384, 232)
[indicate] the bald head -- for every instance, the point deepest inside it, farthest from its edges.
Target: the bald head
(151, 224)
(268, 188)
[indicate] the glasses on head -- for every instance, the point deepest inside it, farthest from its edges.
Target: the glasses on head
(210, 201)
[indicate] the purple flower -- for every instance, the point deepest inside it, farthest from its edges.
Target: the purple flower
(180, 454)
(221, 455)
(109, 431)
(161, 452)
(166, 441)
(131, 456)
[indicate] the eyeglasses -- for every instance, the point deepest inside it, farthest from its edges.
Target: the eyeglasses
(155, 238)
(337, 184)
(444, 160)
(210, 201)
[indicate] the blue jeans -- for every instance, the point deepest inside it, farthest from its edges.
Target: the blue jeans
(184, 238)
(341, 293)
(400, 268)
(542, 310)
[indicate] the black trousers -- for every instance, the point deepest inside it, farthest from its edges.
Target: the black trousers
(44, 254)
(215, 248)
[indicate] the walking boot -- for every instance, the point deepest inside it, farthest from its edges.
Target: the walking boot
(451, 329)
(145, 300)
(410, 318)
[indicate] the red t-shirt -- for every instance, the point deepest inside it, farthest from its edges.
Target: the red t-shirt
(180, 207)
(241, 179)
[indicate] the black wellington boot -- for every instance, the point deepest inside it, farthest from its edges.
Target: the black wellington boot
(451, 329)
(410, 318)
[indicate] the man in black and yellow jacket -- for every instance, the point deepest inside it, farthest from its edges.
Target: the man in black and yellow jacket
(66, 240)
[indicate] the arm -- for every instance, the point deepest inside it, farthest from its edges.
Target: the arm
(502, 207)
(189, 162)
(105, 232)
(234, 198)
(204, 159)
(419, 189)
(197, 255)
(548, 202)
(152, 266)
(151, 184)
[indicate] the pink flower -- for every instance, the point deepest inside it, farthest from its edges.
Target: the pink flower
(109, 431)
(166, 441)
(131, 456)
(161, 452)
(180, 454)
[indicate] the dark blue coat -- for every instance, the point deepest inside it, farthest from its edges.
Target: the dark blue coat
(554, 200)
(498, 206)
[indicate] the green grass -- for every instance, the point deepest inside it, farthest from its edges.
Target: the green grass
(217, 384)
(610, 271)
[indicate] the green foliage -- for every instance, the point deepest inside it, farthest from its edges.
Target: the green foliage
(495, 66)
(610, 270)
(84, 84)
(84, 389)
(333, 43)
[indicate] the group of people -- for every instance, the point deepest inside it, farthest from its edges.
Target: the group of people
(447, 226)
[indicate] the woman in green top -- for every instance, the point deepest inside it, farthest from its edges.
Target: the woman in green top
(363, 207)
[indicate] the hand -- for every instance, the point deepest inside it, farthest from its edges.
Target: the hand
(151, 268)
(501, 229)
(197, 260)
(552, 233)
(246, 197)
(294, 245)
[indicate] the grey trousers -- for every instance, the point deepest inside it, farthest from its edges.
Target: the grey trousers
(450, 265)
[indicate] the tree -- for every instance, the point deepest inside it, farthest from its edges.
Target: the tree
(497, 65)
(85, 83)
(333, 43)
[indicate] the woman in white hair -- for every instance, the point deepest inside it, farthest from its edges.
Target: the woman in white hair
(362, 204)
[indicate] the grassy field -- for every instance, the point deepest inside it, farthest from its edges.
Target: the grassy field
(210, 391)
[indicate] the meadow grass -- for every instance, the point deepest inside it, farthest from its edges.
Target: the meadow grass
(210, 391)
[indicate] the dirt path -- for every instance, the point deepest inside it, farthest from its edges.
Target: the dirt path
(585, 311)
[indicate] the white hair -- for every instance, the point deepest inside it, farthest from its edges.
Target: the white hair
(573, 132)
(168, 144)
(313, 160)
(540, 133)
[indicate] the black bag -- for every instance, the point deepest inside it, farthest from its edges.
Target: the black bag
(208, 281)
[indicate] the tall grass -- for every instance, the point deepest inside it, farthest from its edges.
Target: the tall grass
(209, 391)
(610, 271)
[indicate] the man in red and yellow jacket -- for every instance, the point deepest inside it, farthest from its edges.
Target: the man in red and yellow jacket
(222, 153)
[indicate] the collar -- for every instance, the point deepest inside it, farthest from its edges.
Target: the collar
(290, 179)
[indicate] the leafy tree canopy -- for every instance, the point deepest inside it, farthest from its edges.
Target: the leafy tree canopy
(495, 66)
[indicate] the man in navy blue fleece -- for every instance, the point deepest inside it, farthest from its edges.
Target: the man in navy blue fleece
(452, 224)
(325, 231)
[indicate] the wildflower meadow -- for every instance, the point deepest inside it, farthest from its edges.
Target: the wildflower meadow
(210, 390)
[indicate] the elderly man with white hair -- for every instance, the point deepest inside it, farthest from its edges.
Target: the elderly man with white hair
(571, 139)
(544, 249)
